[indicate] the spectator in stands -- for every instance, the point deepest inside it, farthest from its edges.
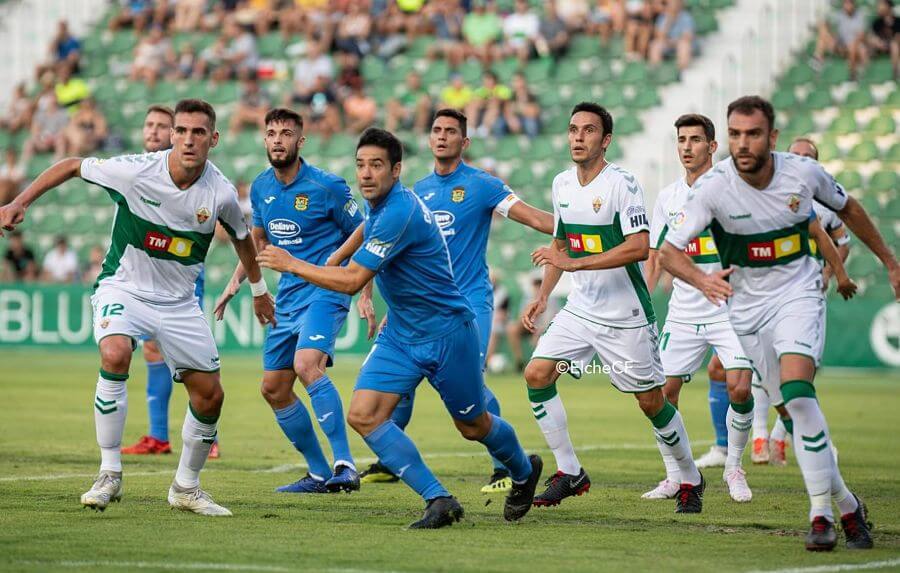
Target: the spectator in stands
(446, 19)
(315, 64)
(184, 63)
(520, 32)
(257, 14)
(639, 28)
(188, 15)
(320, 107)
(607, 18)
(845, 36)
(457, 95)
(501, 315)
(211, 58)
(312, 19)
(515, 331)
(241, 56)
(150, 55)
(65, 47)
(212, 19)
(673, 35)
(392, 31)
(349, 77)
(21, 263)
(574, 13)
(353, 31)
(19, 112)
(482, 30)
(885, 38)
(94, 265)
(132, 13)
(47, 128)
(86, 131)
(70, 90)
(553, 35)
(411, 108)
(485, 111)
(360, 110)
(60, 263)
(11, 176)
(522, 112)
(251, 107)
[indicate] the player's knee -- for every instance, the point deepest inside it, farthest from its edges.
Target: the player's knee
(115, 354)
(208, 401)
(307, 371)
(363, 422)
(539, 373)
(650, 402)
(715, 370)
(275, 393)
(476, 429)
(151, 352)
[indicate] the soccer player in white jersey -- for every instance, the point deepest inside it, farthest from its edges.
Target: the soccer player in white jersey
(167, 205)
(694, 324)
(771, 449)
(759, 205)
(601, 237)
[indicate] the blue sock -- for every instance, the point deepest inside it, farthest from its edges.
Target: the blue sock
(399, 454)
(326, 403)
(296, 425)
(493, 406)
(159, 390)
(718, 409)
(403, 412)
(503, 444)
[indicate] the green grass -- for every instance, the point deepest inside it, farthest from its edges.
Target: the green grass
(47, 429)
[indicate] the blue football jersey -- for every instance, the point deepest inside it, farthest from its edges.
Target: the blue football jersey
(310, 218)
(463, 203)
(404, 246)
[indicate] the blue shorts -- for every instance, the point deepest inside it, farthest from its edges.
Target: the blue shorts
(315, 326)
(485, 320)
(451, 364)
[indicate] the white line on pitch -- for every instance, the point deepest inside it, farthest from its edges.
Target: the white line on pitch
(192, 566)
(291, 467)
(837, 567)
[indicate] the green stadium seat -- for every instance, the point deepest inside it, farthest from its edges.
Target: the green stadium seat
(225, 92)
(372, 69)
(834, 72)
(705, 22)
(859, 99)
(884, 181)
(538, 71)
(882, 125)
(567, 72)
(627, 124)
(583, 46)
(645, 99)
(271, 45)
(634, 73)
(878, 72)
(665, 73)
(437, 72)
(893, 100)
(506, 68)
(819, 99)
(121, 43)
(540, 147)
(418, 47)
(850, 180)
(864, 151)
(798, 75)
(828, 150)
(784, 99)
(893, 153)
(507, 148)
(800, 123)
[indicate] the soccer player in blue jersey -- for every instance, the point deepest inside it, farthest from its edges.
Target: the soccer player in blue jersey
(431, 333)
(464, 199)
(157, 135)
(309, 213)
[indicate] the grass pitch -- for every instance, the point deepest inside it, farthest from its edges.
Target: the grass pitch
(48, 456)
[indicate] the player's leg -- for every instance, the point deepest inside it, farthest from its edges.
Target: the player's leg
(778, 440)
(458, 376)
(499, 481)
(159, 391)
(718, 410)
(669, 486)
(564, 347)
(388, 373)
(320, 325)
(761, 404)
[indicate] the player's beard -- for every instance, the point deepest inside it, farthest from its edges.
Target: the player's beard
(288, 160)
(758, 162)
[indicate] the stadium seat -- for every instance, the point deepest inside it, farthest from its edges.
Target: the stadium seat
(864, 151)
(882, 125)
(858, 99)
(884, 181)
(850, 180)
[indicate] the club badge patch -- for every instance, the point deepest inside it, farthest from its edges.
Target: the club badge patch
(458, 194)
(301, 202)
(203, 215)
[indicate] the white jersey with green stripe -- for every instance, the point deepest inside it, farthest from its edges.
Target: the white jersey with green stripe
(160, 233)
(687, 305)
(762, 233)
(595, 218)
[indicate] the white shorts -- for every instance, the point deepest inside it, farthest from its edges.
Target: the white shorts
(630, 356)
(797, 328)
(682, 348)
(181, 330)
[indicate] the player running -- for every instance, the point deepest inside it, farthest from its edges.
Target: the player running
(309, 213)
(758, 204)
(601, 237)
(771, 449)
(463, 199)
(431, 332)
(693, 324)
(157, 136)
(167, 205)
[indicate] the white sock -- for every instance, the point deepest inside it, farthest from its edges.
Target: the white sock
(550, 414)
(811, 445)
(760, 413)
(841, 496)
(198, 437)
(672, 472)
(779, 432)
(673, 438)
(110, 409)
(738, 424)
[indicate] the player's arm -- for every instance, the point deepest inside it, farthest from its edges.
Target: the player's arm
(679, 264)
(829, 252)
(260, 241)
(636, 247)
(537, 219)
(855, 217)
(13, 214)
(349, 279)
(346, 250)
(263, 305)
(551, 278)
(652, 269)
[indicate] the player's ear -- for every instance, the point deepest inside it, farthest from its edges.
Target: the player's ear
(215, 139)
(465, 144)
(396, 168)
(607, 141)
(713, 147)
(773, 139)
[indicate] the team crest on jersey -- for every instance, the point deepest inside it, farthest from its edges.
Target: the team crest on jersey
(301, 202)
(104, 323)
(794, 203)
(597, 203)
(458, 194)
(203, 215)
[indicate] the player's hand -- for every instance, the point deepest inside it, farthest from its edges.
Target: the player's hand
(846, 287)
(230, 290)
(552, 256)
(275, 258)
(716, 288)
(367, 311)
(382, 324)
(534, 309)
(264, 308)
(11, 215)
(894, 277)
(332, 260)
(826, 277)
